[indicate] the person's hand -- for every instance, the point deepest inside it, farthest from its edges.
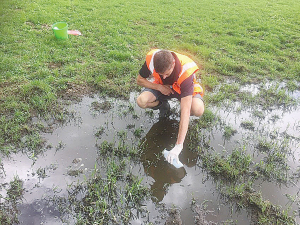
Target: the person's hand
(174, 153)
(166, 89)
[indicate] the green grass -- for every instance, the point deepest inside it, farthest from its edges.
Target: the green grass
(229, 132)
(263, 156)
(119, 147)
(234, 42)
(231, 167)
(9, 204)
(249, 41)
(112, 198)
(264, 211)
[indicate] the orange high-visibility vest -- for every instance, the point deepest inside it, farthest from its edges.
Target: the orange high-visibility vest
(188, 68)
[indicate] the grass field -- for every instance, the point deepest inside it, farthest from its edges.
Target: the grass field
(234, 42)
(248, 41)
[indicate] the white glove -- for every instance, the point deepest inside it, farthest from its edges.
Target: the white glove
(174, 153)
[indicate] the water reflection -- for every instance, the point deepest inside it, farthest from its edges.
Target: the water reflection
(171, 186)
(39, 212)
(163, 135)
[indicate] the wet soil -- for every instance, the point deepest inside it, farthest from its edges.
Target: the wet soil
(74, 154)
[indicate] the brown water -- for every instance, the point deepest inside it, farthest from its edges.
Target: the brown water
(172, 187)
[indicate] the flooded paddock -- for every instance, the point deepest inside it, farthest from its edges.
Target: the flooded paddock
(72, 153)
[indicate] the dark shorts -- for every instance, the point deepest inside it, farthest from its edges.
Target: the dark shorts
(161, 97)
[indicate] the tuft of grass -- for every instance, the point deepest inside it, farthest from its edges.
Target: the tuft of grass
(258, 114)
(274, 167)
(248, 125)
(9, 204)
(110, 199)
(229, 132)
(15, 191)
(138, 132)
(118, 149)
(231, 167)
(265, 211)
(99, 131)
(264, 145)
(275, 96)
(208, 119)
(226, 93)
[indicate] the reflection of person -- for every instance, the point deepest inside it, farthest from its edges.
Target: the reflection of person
(174, 77)
(161, 136)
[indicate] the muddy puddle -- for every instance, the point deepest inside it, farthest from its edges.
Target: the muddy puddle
(72, 155)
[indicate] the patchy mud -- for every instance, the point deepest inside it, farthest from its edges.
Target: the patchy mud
(174, 217)
(74, 92)
(74, 151)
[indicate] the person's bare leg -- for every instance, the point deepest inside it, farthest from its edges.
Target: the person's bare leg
(197, 107)
(147, 100)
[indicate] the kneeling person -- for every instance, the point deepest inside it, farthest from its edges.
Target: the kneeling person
(174, 77)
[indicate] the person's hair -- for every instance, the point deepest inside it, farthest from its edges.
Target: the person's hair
(163, 61)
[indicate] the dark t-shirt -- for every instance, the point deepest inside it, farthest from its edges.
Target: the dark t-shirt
(186, 87)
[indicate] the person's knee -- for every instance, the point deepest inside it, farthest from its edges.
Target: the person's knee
(198, 112)
(146, 100)
(197, 108)
(142, 102)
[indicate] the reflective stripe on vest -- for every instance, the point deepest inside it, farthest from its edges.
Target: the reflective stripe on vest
(151, 63)
(188, 68)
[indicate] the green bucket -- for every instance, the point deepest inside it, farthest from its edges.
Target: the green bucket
(60, 30)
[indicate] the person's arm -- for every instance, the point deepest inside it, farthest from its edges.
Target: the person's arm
(187, 89)
(164, 89)
(185, 107)
(144, 82)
